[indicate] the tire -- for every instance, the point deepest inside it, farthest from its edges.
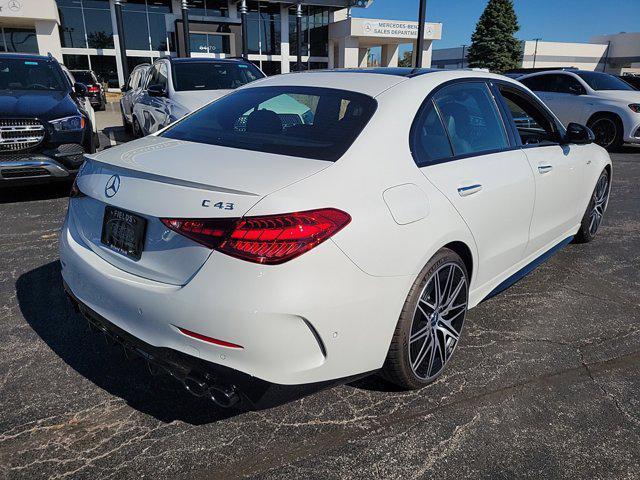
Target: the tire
(137, 130)
(126, 125)
(425, 337)
(607, 127)
(593, 215)
(102, 107)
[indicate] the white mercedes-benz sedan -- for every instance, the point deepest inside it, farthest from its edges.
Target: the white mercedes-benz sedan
(312, 228)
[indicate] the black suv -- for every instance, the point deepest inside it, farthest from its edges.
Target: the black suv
(96, 94)
(45, 128)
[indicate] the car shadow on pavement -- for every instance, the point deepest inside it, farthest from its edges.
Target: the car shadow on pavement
(44, 305)
(30, 193)
(116, 133)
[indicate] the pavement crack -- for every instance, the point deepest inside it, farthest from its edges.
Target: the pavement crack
(607, 394)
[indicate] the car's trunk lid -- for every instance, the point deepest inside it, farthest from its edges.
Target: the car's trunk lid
(159, 178)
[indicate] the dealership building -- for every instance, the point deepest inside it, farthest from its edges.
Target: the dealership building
(83, 33)
(617, 54)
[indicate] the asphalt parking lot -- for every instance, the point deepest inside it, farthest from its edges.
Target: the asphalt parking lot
(546, 383)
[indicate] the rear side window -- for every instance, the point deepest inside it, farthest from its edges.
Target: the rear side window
(308, 122)
(430, 141)
(471, 118)
(213, 75)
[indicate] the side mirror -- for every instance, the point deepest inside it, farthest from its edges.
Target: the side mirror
(156, 91)
(80, 89)
(579, 134)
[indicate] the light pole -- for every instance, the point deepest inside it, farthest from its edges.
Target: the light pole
(299, 35)
(535, 52)
(243, 17)
(420, 44)
(121, 40)
(185, 28)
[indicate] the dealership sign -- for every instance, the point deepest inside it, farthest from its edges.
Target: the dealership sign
(393, 29)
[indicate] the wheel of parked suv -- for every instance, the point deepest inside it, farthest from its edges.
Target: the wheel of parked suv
(430, 323)
(137, 130)
(608, 130)
(592, 218)
(127, 126)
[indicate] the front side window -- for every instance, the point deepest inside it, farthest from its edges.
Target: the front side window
(534, 127)
(568, 84)
(471, 118)
(213, 75)
(307, 122)
(27, 74)
(604, 81)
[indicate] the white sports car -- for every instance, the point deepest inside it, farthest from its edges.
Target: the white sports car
(248, 251)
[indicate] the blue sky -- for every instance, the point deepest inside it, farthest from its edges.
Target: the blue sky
(551, 20)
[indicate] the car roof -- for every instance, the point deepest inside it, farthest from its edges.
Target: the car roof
(203, 60)
(30, 56)
(370, 81)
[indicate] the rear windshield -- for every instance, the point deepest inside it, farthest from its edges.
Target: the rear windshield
(308, 122)
(22, 74)
(84, 77)
(603, 81)
(213, 75)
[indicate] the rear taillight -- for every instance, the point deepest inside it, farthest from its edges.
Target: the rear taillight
(270, 239)
(93, 88)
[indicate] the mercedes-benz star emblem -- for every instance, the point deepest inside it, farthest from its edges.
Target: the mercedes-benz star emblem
(112, 186)
(14, 5)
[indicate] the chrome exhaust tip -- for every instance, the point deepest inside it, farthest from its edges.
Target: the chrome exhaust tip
(224, 396)
(195, 386)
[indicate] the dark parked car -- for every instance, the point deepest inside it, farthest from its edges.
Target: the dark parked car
(95, 91)
(45, 128)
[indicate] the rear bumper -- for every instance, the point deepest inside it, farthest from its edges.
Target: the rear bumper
(255, 393)
(315, 319)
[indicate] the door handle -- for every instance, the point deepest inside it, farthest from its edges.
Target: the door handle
(545, 168)
(469, 190)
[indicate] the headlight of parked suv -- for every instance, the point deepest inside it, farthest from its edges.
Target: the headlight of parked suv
(68, 124)
(635, 107)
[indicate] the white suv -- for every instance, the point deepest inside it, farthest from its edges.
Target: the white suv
(177, 86)
(606, 104)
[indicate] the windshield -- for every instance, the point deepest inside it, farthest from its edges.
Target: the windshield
(83, 77)
(603, 81)
(21, 74)
(213, 75)
(308, 122)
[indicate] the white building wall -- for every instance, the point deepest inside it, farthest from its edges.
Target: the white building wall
(48, 38)
(624, 52)
(585, 56)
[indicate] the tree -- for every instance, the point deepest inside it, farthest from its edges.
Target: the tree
(493, 44)
(406, 60)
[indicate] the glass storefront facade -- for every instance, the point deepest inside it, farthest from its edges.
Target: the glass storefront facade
(315, 31)
(208, 8)
(20, 40)
(88, 33)
(85, 24)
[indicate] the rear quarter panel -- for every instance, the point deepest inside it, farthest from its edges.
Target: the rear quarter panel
(379, 159)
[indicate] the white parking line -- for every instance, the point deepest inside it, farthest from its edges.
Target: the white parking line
(112, 139)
